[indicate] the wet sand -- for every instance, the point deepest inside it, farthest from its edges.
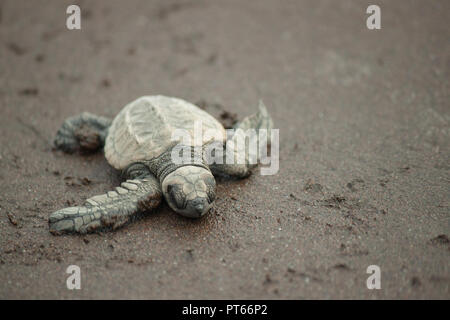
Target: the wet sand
(364, 148)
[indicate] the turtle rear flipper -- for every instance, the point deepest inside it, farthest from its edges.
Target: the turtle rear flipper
(110, 210)
(85, 132)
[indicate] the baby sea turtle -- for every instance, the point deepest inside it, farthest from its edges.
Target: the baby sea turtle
(139, 143)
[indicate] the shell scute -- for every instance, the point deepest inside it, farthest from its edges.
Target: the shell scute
(143, 129)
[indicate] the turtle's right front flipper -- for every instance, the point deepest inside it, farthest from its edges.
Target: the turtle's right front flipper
(110, 210)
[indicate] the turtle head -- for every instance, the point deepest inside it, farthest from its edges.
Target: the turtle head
(190, 190)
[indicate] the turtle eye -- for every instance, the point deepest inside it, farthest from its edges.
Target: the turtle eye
(210, 189)
(176, 196)
(211, 197)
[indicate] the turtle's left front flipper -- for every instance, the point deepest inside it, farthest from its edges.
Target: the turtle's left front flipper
(253, 124)
(110, 210)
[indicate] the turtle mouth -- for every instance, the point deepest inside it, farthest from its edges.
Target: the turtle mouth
(200, 206)
(195, 208)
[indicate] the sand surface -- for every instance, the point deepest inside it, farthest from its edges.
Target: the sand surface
(364, 148)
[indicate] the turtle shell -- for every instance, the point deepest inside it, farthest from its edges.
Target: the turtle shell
(143, 129)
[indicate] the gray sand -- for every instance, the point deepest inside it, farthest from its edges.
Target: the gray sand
(364, 147)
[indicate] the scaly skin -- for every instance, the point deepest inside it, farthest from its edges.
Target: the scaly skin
(110, 210)
(85, 132)
(258, 120)
(190, 190)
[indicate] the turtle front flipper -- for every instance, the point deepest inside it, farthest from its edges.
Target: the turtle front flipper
(110, 210)
(85, 132)
(240, 152)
